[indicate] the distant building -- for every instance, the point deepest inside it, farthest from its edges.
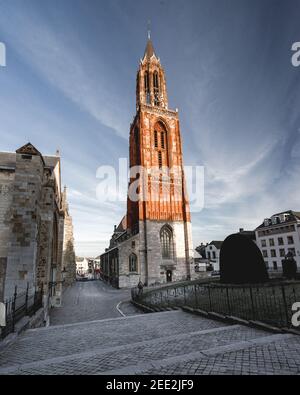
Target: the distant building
(212, 253)
(82, 266)
(209, 256)
(201, 264)
(277, 236)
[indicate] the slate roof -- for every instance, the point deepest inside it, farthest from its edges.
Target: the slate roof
(51, 161)
(8, 159)
(294, 216)
(122, 225)
(217, 244)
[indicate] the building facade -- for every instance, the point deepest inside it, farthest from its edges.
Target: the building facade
(32, 224)
(82, 266)
(69, 257)
(210, 255)
(277, 236)
(153, 242)
(212, 252)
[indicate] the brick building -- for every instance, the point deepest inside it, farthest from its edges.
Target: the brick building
(36, 235)
(153, 242)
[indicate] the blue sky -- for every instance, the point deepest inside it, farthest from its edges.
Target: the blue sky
(70, 84)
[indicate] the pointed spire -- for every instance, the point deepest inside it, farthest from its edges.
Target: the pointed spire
(149, 51)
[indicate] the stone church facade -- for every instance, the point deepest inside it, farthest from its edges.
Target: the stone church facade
(36, 234)
(153, 242)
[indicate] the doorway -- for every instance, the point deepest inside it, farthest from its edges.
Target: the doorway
(169, 276)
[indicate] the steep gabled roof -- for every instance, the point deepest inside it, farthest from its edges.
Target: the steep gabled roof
(28, 149)
(217, 244)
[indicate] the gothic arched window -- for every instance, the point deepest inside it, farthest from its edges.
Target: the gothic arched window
(161, 144)
(155, 139)
(155, 80)
(156, 88)
(166, 241)
(147, 87)
(132, 263)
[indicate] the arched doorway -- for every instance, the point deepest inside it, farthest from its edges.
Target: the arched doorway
(169, 276)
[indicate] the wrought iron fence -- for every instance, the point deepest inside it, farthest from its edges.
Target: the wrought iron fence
(20, 305)
(269, 303)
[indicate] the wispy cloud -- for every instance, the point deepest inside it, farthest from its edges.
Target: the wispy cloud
(69, 84)
(69, 66)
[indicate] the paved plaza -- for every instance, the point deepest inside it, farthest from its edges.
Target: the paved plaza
(173, 342)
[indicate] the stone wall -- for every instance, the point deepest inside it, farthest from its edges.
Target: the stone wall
(24, 214)
(155, 267)
(152, 268)
(6, 185)
(127, 279)
(32, 219)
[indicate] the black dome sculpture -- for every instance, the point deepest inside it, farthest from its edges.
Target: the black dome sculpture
(241, 261)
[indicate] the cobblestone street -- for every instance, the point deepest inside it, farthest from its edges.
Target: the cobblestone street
(173, 342)
(89, 301)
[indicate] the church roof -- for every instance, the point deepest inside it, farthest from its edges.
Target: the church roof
(122, 225)
(51, 161)
(8, 159)
(28, 149)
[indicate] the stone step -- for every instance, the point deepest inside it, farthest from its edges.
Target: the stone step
(126, 359)
(62, 340)
(172, 342)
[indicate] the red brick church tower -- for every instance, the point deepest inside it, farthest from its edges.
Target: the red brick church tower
(163, 216)
(153, 242)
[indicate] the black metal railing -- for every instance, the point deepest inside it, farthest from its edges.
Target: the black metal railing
(270, 303)
(20, 305)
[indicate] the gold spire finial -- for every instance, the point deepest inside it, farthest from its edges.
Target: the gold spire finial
(149, 29)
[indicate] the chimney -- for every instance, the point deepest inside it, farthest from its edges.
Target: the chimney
(241, 230)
